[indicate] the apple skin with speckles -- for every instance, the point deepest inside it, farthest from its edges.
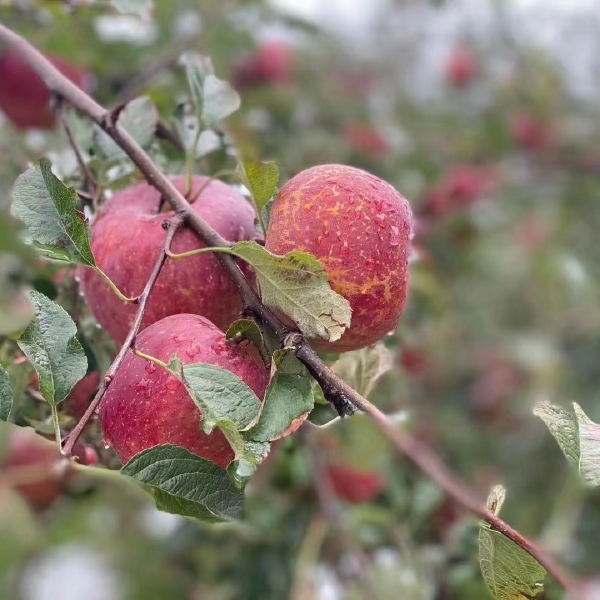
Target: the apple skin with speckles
(24, 97)
(145, 405)
(127, 238)
(360, 228)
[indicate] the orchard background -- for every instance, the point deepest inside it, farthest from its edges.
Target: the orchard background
(483, 115)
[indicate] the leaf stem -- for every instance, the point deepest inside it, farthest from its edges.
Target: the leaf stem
(152, 359)
(113, 287)
(200, 251)
(56, 425)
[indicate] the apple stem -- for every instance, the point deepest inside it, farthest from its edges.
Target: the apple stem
(199, 251)
(404, 442)
(152, 359)
(56, 425)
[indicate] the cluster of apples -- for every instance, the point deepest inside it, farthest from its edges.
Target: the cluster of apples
(357, 225)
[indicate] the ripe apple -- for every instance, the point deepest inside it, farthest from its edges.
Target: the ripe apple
(24, 97)
(80, 396)
(272, 64)
(365, 139)
(529, 131)
(145, 405)
(35, 464)
(462, 66)
(459, 187)
(354, 485)
(360, 228)
(127, 238)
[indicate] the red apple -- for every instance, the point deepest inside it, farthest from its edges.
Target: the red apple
(36, 466)
(459, 187)
(365, 139)
(272, 64)
(354, 485)
(360, 228)
(127, 238)
(413, 360)
(529, 131)
(81, 395)
(146, 406)
(462, 66)
(24, 97)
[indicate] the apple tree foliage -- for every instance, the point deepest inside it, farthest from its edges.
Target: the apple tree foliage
(454, 320)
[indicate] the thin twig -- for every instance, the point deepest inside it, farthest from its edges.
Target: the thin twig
(171, 227)
(87, 174)
(344, 398)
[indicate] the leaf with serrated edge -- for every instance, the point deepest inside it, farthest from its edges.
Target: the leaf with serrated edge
(139, 118)
(577, 435)
(6, 395)
(363, 368)
(47, 208)
(186, 484)
(287, 398)
(50, 344)
(261, 179)
(509, 572)
(221, 396)
(296, 285)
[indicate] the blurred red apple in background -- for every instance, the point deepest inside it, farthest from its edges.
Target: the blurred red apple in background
(272, 64)
(529, 131)
(354, 485)
(24, 97)
(365, 139)
(462, 66)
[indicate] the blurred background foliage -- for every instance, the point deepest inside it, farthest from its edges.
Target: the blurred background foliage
(484, 115)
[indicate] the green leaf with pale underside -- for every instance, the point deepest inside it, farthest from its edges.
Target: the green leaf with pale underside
(363, 368)
(139, 118)
(47, 207)
(287, 398)
(6, 395)
(261, 179)
(577, 435)
(185, 484)
(509, 572)
(50, 344)
(296, 285)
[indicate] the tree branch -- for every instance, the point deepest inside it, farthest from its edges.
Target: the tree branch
(336, 390)
(171, 226)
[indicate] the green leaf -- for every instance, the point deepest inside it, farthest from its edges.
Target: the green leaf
(241, 470)
(139, 118)
(296, 285)
(249, 330)
(261, 179)
(509, 572)
(234, 437)
(47, 207)
(50, 344)
(287, 398)
(221, 396)
(577, 435)
(363, 368)
(220, 100)
(140, 8)
(213, 98)
(6, 395)
(185, 484)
